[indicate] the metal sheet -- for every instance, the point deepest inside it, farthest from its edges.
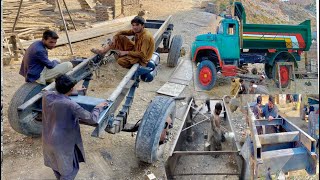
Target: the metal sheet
(171, 89)
(284, 159)
(87, 102)
(183, 73)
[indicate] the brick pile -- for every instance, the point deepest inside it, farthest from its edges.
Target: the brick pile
(103, 12)
(115, 4)
(85, 5)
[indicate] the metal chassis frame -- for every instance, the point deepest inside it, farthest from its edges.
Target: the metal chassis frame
(84, 71)
(304, 155)
(175, 155)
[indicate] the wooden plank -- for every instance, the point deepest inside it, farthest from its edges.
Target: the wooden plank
(113, 22)
(276, 138)
(81, 35)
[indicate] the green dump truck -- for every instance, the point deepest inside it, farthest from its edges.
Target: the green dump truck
(237, 43)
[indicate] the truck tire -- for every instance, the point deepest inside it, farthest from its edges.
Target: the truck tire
(268, 71)
(18, 120)
(284, 73)
(148, 145)
(174, 52)
(206, 75)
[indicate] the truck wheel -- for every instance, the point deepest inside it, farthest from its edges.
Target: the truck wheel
(174, 52)
(284, 74)
(154, 129)
(268, 71)
(206, 75)
(24, 121)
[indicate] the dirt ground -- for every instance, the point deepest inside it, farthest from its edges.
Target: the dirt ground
(111, 157)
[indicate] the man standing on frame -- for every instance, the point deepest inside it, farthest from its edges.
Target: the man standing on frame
(270, 111)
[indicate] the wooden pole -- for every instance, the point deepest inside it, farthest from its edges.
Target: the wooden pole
(64, 2)
(65, 26)
(17, 17)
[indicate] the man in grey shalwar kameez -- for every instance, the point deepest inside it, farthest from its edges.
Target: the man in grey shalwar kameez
(270, 111)
(61, 137)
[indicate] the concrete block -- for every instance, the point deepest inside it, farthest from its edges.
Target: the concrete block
(150, 177)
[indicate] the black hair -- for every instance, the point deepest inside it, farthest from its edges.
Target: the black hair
(138, 20)
(218, 107)
(259, 100)
(271, 99)
(64, 83)
(240, 80)
(252, 81)
(49, 34)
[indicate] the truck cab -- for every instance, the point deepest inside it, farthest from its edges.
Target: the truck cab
(218, 52)
(228, 40)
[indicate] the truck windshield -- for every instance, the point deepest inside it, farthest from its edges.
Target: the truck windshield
(220, 29)
(231, 29)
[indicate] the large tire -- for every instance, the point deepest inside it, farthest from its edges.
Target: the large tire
(148, 146)
(206, 75)
(17, 119)
(284, 73)
(268, 70)
(174, 52)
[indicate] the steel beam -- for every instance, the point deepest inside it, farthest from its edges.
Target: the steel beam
(123, 82)
(208, 174)
(228, 114)
(183, 153)
(158, 35)
(254, 134)
(180, 129)
(115, 99)
(264, 122)
(276, 138)
(305, 138)
(51, 86)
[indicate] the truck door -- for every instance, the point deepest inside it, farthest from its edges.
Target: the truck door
(230, 43)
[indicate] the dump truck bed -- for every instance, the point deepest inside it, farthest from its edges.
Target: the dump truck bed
(274, 36)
